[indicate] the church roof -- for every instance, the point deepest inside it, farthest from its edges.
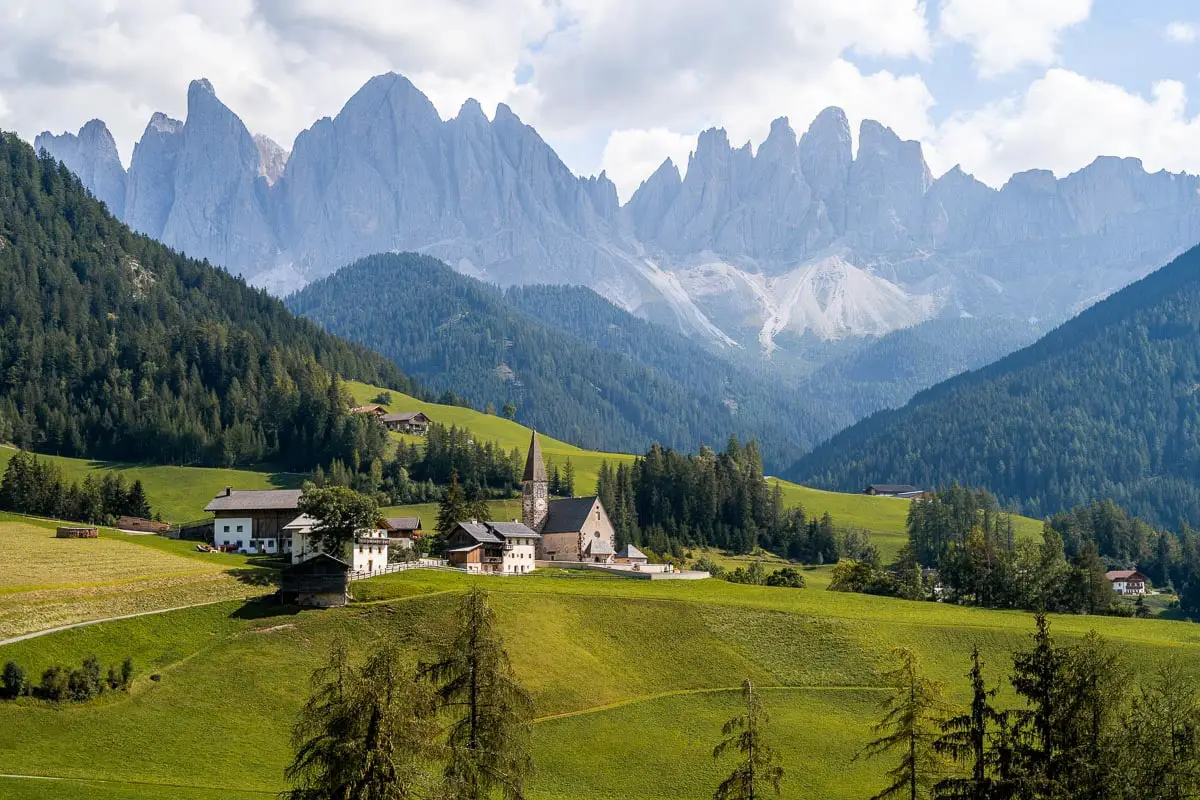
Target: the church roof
(568, 515)
(599, 547)
(535, 468)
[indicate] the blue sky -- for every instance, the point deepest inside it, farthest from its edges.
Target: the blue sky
(996, 85)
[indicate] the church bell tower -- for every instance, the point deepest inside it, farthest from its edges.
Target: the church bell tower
(535, 488)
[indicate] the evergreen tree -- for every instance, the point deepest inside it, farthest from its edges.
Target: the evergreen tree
(365, 733)
(136, 504)
(759, 767)
(965, 739)
(1038, 680)
(910, 725)
(567, 482)
(491, 713)
(452, 510)
(1164, 736)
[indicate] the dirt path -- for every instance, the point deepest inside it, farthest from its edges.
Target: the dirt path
(27, 636)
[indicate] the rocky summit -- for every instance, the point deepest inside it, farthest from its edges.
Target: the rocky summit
(776, 249)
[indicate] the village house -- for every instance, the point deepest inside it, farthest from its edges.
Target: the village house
(1127, 582)
(893, 490)
(412, 422)
(507, 548)
(402, 531)
(254, 521)
(370, 408)
(368, 553)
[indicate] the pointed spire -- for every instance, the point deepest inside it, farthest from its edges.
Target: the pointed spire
(535, 468)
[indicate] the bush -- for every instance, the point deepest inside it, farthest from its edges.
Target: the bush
(56, 684)
(706, 564)
(383, 398)
(87, 681)
(14, 681)
(126, 673)
(787, 577)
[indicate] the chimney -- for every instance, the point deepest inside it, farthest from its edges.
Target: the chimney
(228, 491)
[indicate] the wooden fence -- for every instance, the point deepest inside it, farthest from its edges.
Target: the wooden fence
(401, 566)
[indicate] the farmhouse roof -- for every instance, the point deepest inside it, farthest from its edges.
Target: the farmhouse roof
(370, 408)
(403, 523)
(255, 500)
(599, 547)
(301, 522)
(512, 530)
(629, 551)
(1124, 575)
(568, 515)
(404, 416)
(535, 468)
(892, 488)
(308, 564)
(480, 532)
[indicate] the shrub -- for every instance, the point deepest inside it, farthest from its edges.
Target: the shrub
(706, 564)
(87, 681)
(14, 680)
(383, 398)
(126, 673)
(56, 684)
(787, 577)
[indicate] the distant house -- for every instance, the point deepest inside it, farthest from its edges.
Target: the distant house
(127, 523)
(402, 531)
(631, 555)
(253, 521)
(321, 581)
(368, 553)
(1127, 582)
(414, 422)
(370, 408)
(492, 547)
(892, 490)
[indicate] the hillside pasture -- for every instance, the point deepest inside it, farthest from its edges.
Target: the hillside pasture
(631, 679)
(49, 582)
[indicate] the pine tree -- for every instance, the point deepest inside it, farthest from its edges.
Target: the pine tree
(1164, 734)
(910, 725)
(136, 504)
(453, 508)
(1038, 679)
(489, 735)
(567, 483)
(759, 767)
(364, 734)
(965, 739)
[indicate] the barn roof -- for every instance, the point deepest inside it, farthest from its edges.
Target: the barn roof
(255, 500)
(893, 488)
(404, 416)
(568, 515)
(403, 523)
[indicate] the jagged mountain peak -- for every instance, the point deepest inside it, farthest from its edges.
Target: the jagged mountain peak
(471, 111)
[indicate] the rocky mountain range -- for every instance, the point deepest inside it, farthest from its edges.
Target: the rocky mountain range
(801, 247)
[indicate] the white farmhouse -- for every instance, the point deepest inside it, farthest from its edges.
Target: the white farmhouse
(507, 548)
(369, 552)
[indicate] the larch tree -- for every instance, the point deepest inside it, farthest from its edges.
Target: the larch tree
(1164, 732)
(365, 733)
(910, 726)
(491, 713)
(966, 740)
(759, 768)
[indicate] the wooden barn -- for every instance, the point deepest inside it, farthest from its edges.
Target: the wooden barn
(321, 582)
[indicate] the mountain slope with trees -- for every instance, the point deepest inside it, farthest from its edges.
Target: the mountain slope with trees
(116, 347)
(572, 363)
(1106, 406)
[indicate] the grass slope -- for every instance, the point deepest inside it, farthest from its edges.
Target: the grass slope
(178, 493)
(49, 582)
(631, 679)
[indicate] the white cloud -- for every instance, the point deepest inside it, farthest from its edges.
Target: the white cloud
(1063, 121)
(1007, 34)
(1181, 32)
(631, 156)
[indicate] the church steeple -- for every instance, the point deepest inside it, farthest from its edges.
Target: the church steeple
(534, 487)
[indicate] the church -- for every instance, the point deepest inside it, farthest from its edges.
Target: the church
(571, 528)
(564, 529)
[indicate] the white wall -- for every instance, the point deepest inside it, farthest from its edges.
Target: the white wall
(226, 532)
(370, 554)
(521, 557)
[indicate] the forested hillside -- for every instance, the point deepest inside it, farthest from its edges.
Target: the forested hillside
(1107, 406)
(573, 364)
(116, 347)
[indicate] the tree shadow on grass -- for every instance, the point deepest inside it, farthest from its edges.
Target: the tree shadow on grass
(267, 607)
(256, 576)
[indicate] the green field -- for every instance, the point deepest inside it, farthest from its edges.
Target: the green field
(179, 494)
(631, 680)
(48, 582)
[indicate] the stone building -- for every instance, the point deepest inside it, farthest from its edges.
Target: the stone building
(571, 528)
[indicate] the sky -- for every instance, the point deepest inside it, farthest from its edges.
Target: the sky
(998, 86)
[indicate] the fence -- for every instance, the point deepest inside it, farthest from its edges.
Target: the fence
(401, 566)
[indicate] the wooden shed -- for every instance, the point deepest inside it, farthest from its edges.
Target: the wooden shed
(321, 581)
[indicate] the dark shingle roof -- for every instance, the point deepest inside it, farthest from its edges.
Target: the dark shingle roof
(893, 488)
(479, 532)
(568, 514)
(535, 468)
(255, 500)
(403, 416)
(512, 530)
(403, 523)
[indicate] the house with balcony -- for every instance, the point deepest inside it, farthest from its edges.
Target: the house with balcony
(495, 548)
(367, 553)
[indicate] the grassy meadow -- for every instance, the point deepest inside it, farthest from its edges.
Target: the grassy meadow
(631, 679)
(48, 582)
